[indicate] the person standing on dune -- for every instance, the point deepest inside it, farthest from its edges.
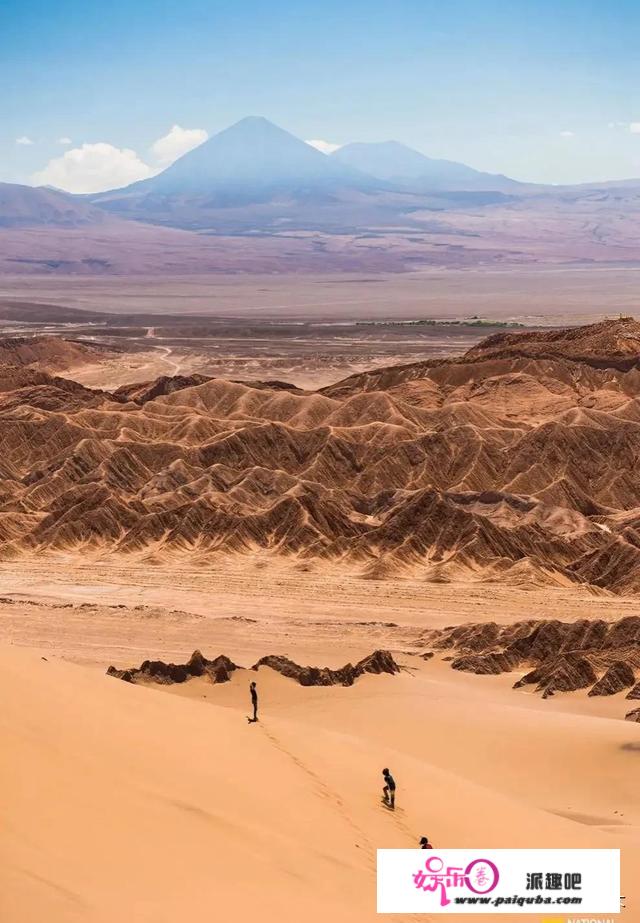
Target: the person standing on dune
(389, 789)
(254, 702)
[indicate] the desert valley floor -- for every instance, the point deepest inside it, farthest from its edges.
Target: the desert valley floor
(437, 514)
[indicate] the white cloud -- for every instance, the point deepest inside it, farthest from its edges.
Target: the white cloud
(176, 142)
(567, 134)
(102, 166)
(325, 147)
(634, 128)
(23, 139)
(93, 168)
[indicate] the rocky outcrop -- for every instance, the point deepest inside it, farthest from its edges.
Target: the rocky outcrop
(218, 670)
(489, 663)
(560, 674)
(601, 656)
(166, 384)
(619, 676)
(50, 353)
(633, 715)
(378, 662)
(615, 341)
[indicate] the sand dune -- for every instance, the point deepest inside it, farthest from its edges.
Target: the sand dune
(144, 805)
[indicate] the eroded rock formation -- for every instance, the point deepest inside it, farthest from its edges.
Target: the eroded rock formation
(619, 676)
(517, 461)
(378, 662)
(220, 669)
(601, 656)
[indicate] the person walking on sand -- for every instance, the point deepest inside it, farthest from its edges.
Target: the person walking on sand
(389, 789)
(254, 702)
(424, 843)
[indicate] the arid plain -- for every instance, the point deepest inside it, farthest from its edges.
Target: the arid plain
(349, 471)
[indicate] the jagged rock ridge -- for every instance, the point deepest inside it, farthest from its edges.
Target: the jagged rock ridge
(378, 662)
(516, 462)
(219, 670)
(603, 657)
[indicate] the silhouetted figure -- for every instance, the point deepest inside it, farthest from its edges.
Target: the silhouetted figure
(389, 789)
(254, 701)
(424, 843)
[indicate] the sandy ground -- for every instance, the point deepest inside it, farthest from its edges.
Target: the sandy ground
(555, 294)
(133, 802)
(309, 355)
(269, 590)
(131, 368)
(150, 804)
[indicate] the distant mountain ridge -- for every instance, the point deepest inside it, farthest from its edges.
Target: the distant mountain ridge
(26, 206)
(251, 177)
(403, 166)
(381, 207)
(250, 162)
(254, 161)
(256, 177)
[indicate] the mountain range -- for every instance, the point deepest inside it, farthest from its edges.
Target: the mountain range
(408, 169)
(282, 180)
(515, 462)
(255, 161)
(252, 161)
(253, 175)
(391, 207)
(28, 206)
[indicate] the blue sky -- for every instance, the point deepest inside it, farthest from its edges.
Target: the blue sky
(545, 91)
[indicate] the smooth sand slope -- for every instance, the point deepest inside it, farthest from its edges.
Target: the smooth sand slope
(133, 803)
